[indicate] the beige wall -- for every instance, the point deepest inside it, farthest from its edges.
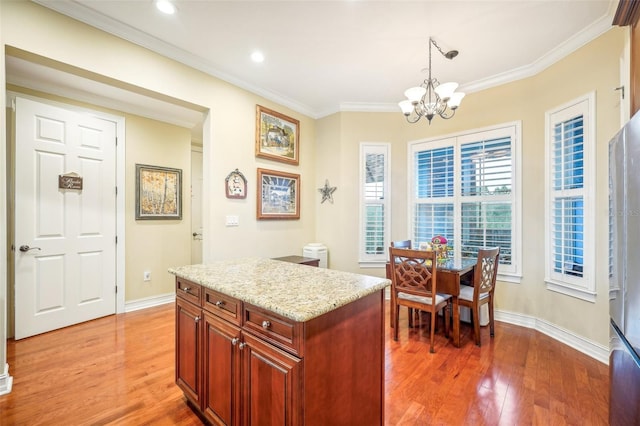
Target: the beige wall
(155, 245)
(38, 34)
(595, 67)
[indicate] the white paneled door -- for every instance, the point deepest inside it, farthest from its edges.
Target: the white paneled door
(65, 236)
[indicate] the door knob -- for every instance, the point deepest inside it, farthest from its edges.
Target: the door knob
(25, 248)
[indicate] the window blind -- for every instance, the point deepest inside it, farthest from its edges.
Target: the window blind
(375, 200)
(464, 189)
(567, 214)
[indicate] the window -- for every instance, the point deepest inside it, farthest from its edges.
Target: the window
(375, 203)
(466, 188)
(569, 207)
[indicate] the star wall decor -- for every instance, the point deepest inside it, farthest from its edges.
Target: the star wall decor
(327, 192)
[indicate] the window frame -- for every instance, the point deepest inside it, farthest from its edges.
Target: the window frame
(374, 260)
(508, 273)
(579, 287)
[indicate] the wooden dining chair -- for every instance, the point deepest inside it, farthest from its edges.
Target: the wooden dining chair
(414, 285)
(404, 244)
(484, 284)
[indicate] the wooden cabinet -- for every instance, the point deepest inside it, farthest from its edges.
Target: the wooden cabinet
(222, 380)
(239, 364)
(188, 349)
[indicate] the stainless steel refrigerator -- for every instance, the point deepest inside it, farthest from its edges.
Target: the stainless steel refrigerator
(624, 291)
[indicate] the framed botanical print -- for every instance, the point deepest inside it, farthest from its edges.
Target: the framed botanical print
(158, 192)
(278, 195)
(235, 185)
(277, 136)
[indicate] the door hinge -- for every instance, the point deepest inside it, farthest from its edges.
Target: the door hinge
(116, 289)
(116, 190)
(116, 239)
(116, 141)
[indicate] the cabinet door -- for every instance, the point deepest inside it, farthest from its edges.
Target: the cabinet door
(272, 393)
(221, 371)
(188, 349)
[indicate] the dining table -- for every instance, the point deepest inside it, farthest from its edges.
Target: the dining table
(451, 273)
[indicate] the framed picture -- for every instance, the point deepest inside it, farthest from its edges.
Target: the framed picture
(235, 185)
(277, 136)
(158, 192)
(278, 195)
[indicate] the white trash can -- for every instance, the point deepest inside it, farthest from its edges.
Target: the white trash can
(316, 250)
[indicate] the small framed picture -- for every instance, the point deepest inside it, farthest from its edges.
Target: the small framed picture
(277, 136)
(278, 195)
(235, 185)
(158, 192)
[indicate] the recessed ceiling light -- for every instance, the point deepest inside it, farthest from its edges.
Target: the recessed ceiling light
(165, 6)
(257, 57)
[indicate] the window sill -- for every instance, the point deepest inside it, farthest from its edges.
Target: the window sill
(578, 293)
(509, 278)
(372, 263)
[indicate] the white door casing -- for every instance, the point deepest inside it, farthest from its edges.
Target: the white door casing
(196, 206)
(69, 273)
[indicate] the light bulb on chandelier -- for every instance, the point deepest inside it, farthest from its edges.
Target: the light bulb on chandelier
(432, 98)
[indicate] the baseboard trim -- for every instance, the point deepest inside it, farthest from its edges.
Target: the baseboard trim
(149, 302)
(577, 342)
(6, 381)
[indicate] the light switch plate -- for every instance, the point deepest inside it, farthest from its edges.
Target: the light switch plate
(232, 220)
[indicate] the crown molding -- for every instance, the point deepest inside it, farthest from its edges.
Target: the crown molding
(82, 13)
(109, 25)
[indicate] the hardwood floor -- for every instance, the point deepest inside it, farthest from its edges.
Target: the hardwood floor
(119, 370)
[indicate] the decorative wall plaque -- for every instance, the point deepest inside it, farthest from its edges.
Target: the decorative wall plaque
(70, 181)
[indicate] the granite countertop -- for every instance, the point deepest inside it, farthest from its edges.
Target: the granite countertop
(297, 292)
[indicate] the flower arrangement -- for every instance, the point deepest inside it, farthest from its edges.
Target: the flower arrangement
(439, 244)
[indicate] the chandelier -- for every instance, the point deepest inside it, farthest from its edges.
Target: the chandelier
(432, 98)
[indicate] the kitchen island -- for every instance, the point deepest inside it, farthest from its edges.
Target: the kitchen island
(260, 341)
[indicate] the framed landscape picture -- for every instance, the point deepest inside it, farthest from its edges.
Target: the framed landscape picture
(158, 192)
(277, 136)
(278, 195)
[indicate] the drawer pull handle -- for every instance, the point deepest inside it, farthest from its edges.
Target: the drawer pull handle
(186, 289)
(242, 345)
(266, 324)
(219, 303)
(235, 341)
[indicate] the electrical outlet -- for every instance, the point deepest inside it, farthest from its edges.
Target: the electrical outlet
(232, 220)
(146, 276)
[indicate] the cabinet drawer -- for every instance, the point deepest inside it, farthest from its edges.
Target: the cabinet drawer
(276, 329)
(223, 306)
(188, 290)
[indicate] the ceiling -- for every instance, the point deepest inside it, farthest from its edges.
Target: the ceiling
(347, 55)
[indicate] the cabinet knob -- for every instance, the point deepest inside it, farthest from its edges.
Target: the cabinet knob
(235, 341)
(242, 345)
(266, 324)
(219, 303)
(197, 319)
(186, 289)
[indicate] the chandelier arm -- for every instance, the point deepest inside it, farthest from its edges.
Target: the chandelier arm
(451, 113)
(438, 47)
(414, 120)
